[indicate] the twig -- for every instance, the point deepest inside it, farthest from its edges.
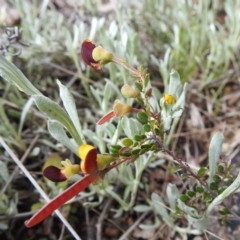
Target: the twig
(39, 189)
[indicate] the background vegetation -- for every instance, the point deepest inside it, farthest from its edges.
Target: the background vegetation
(199, 39)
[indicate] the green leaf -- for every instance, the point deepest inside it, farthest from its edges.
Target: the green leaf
(12, 74)
(136, 151)
(224, 211)
(143, 117)
(199, 189)
(115, 148)
(215, 150)
(54, 111)
(213, 186)
(147, 127)
(202, 171)
(127, 142)
(227, 192)
(184, 198)
(191, 193)
(139, 86)
(146, 79)
(140, 101)
(70, 106)
(220, 169)
(217, 179)
(57, 131)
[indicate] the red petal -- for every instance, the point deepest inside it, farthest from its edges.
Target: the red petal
(59, 200)
(106, 117)
(54, 174)
(89, 164)
(86, 52)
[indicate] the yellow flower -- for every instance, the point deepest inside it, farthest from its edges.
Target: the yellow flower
(169, 99)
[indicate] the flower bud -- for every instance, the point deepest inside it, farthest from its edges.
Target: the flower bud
(121, 109)
(129, 92)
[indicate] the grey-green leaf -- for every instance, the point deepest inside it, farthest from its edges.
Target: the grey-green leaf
(70, 106)
(54, 111)
(172, 194)
(214, 153)
(159, 206)
(12, 74)
(174, 83)
(57, 131)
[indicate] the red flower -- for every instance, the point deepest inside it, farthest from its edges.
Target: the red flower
(94, 165)
(96, 57)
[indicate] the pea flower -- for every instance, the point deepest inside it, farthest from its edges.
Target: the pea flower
(94, 165)
(119, 110)
(56, 174)
(96, 57)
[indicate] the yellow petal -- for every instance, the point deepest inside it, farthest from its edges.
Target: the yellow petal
(169, 99)
(83, 150)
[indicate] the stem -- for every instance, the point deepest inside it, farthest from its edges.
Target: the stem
(182, 164)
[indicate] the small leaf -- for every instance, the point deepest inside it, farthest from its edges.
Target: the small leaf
(184, 198)
(138, 138)
(143, 117)
(224, 211)
(220, 168)
(127, 142)
(199, 189)
(216, 178)
(115, 148)
(146, 79)
(144, 150)
(136, 151)
(139, 86)
(202, 171)
(213, 186)
(141, 102)
(191, 193)
(147, 127)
